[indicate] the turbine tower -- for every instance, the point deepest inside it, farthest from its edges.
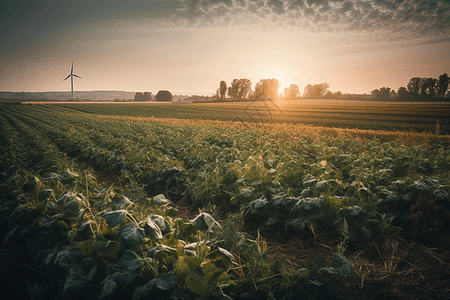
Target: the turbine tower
(71, 75)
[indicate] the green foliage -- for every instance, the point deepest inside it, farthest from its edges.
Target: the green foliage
(87, 240)
(342, 245)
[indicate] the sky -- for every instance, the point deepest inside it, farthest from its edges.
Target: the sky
(189, 46)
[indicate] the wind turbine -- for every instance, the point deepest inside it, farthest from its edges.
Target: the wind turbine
(71, 75)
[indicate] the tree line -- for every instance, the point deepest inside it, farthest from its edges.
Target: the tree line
(418, 88)
(242, 89)
(267, 89)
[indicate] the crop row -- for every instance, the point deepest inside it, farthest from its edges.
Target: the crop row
(280, 182)
(422, 118)
(65, 236)
(291, 185)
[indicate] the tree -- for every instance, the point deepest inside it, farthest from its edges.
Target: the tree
(308, 92)
(316, 91)
(393, 94)
(138, 96)
(428, 87)
(223, 89)
(286, 93)
(337, 94)
(294, 91)
(146, 96)
(267, 88)
(442, 85)
(239, 88)
(402, 93)
(414, 85)
(383, 94)
(164, 96)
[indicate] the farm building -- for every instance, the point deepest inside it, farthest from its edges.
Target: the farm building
(164, 96)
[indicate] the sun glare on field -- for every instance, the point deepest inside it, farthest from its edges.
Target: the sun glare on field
(284, 78)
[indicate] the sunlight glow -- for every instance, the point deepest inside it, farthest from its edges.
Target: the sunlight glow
(284, 78)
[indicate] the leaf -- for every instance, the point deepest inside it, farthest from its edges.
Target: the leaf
(144, 291)
(131, 260)
(12, 170)
(32, 184)
(84, 225)
(14, 180)
(153, 230)
(442, 195)
(114, 218)
(160, 200)
(277, 200)
(164, 283)
(309, 180)
(70, 200)
(260, 203)
(69, 174)
(64, 258)
(81, 214)
(10, 233)
(342, 265)
(100, 243)
(109, 286)
(123, 279)
(355, 210)
(211, 272)
(196, 283)
(162, 223)
(256, 182)
(257, 205)
(133, 236)
(52, 177)
(226, 254)
(205, 222)
(246, 192)
(121, 202)
(64, 197)
(183, 264)
(74, 283)
(272, 221)
(44, 194)
(41, 206)
(298, 224)
(272, 172)
(71, 205)
(311, 203)
(153, 253)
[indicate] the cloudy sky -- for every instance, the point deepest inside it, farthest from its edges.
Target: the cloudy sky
(189, 46)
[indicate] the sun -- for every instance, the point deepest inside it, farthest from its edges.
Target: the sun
(284, 78)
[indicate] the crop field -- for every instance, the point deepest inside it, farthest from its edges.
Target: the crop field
(211, 201)
(419, 117)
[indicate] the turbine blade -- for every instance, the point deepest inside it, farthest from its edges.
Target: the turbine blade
(76, 76)
(67, 77)
(71, 70)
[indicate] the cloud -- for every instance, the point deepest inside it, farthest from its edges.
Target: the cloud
(381, 19)
(32, 25)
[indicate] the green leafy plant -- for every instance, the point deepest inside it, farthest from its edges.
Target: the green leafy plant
(342, 245)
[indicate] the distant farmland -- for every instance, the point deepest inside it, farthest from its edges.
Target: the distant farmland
(418, 117)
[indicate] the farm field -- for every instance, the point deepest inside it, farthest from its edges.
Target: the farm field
(419, 117)
(180, 202)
